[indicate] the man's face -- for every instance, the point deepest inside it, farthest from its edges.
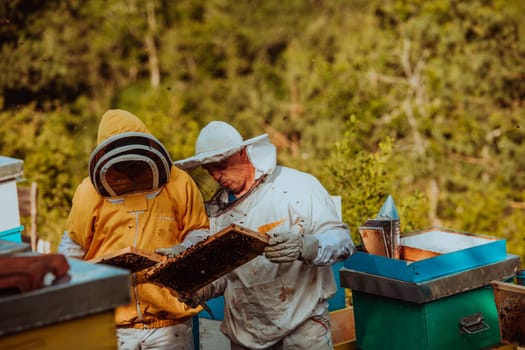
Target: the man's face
(234, 173)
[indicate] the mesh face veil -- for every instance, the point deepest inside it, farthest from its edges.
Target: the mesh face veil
(127, 163)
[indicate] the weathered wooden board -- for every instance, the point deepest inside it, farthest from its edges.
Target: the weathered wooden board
(130, 258)
(208, 260)
(510, 303)
(415, 254)
(343, 325)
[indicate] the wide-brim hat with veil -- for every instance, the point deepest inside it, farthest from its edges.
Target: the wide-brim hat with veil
(219, 140)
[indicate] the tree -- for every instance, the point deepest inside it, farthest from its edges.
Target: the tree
(436, 88)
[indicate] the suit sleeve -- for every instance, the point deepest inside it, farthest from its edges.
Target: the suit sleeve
(82, 216)
(191, 209)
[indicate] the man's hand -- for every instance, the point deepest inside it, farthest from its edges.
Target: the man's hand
(191, 299)
(171, 251)
(287, 247)
(283, 247)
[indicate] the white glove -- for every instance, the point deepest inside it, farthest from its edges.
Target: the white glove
(287, 247)
(171, 251)
(283, 247)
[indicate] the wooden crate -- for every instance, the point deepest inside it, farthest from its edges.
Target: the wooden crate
(209, 259)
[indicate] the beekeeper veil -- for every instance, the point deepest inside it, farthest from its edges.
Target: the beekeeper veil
(128, 159)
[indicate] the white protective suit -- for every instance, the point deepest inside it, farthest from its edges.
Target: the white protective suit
(265, 301)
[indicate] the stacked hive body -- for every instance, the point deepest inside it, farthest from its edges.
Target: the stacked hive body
(437, 295)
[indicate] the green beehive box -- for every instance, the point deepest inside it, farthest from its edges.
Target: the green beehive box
(463, 321)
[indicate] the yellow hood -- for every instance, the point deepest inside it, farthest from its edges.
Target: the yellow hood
(118, 121)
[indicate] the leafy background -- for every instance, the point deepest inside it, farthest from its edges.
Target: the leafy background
(423, 100)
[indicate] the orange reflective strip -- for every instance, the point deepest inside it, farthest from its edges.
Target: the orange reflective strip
(267, 227)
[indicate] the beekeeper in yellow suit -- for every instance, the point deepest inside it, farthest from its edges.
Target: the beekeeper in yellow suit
(135, 197)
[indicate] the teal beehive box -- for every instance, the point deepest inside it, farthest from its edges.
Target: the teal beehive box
(436, 294)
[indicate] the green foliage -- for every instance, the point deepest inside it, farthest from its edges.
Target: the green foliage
(437, 88)
(364, 180)
(46, 145)
(160, 110)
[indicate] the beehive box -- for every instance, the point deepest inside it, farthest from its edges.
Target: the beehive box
(209, 259)
(510, 303)
(60, 301)
(130, 258)
(433, 289)
(436, 296)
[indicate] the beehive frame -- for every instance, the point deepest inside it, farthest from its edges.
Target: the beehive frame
(130, 258)
(208, 260)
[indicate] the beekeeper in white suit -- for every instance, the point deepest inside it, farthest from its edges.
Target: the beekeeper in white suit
(277, 300)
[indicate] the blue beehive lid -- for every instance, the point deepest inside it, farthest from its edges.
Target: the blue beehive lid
(430, 254)
(10, 168)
